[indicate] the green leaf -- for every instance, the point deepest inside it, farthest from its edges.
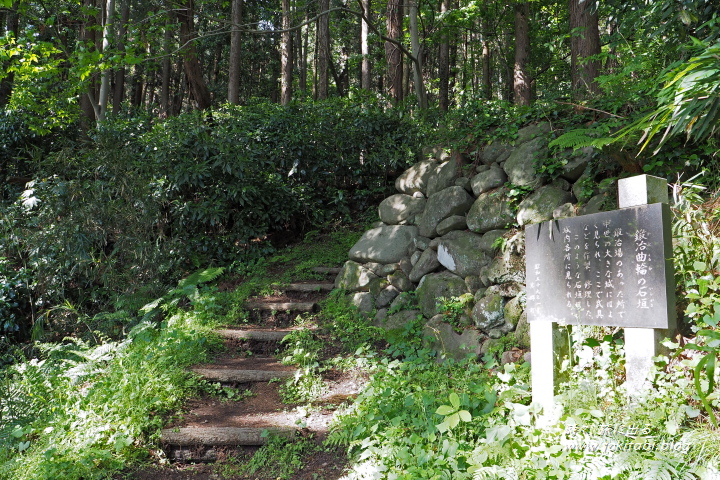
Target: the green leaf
(443, 427)
(445, 410)
(465, 415)
(455, 400)
(453, 420)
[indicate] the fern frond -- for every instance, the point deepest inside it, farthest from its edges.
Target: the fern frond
(580, 138)
(201, 276)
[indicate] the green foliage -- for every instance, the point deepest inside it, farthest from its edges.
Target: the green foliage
(704, 373)
(107, 221)
(689, 101)
(697, 254)
(84, 411)
(454, 308)
(405, 420)
(14, 296)
(187, 288)
(303, 349)
(279, 458)
(346, 325)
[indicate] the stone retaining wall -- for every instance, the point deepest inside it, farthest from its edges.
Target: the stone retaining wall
(453, 230)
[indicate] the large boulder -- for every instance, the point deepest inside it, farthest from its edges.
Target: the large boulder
(539, 205)
(520, 165)
(522, 331)
(445, 203)
(355, 277)
(491, 211)
(462, 253)
(584, 187)
(386, 296)
(488, 244)
(443, 177)
(399, 208)
(400, 281)
(427, 263)
(495, 152)
(415, 179)
(450, 224)
(387, 244)
(396, 320)
(513, 311)
(533, 131)
(575, 167)
(443, 338)
(507, 267)
(436, 285)
(364, 301)
(489, 312)
(488, 179)
(595, 204)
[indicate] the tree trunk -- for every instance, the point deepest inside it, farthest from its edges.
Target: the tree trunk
(417, 53)
(521, 78)
(179, 91)
(166, 72)
(303, 60)
(234, 61)
(393, 54)
(584, 42)
(365, 67)
(87, 36)
(138, 86)
(119, 90)
(286, 56)
(105, 77)
(486, 70)
(323, 55)
(444, 62)
(193, 70)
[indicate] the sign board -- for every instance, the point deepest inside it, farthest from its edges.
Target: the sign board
(609, 268)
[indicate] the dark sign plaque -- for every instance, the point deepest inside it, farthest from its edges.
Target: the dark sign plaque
(610, 268)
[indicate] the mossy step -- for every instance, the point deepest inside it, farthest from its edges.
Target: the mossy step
(221, 436)
(259, 335)
(327, 270)
(309, 287)
(281, 306)
(225, 375)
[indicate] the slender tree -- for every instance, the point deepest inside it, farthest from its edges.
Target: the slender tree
(191, 63)
(444, 61)
(323, 51)
(365, 67)
(521, 78)
(234, 61)
(418, 55)
(286, 56)
(584, 44)
(393, 53)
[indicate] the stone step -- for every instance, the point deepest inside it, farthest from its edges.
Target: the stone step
(221, 436)
(281, 306)
(259, 335)
(225, 375)
(309, 287)
(327, 270)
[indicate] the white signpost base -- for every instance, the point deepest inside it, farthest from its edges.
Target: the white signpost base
(641, 344)
(549, 345)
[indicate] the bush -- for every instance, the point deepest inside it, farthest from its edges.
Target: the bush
(145, 198)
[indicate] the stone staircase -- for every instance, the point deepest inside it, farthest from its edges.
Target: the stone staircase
(212, 428)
